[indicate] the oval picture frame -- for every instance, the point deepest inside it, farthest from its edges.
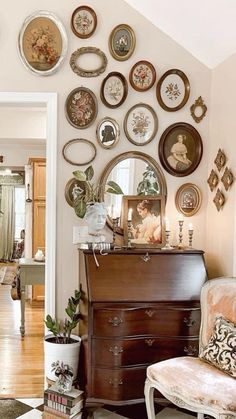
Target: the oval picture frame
(82, 72)
(88, 107)
(173, 90)
(122, 42)
(42, 43)
(71, 187)
(142, 76)
(75, 141)
(188, 199)
(180, 149)
(114, 90)
(83, 22)
(140, 124)
(108, 132)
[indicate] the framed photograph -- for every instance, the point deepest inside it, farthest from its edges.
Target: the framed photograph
(180, 149)
(42, 43)
(188, 199)
(147, 220)
(83, 21)
(122, 42)
(114, 90)
(108, 132)
(140, 124)
(142, 76)
(81, 107)
(173, 90)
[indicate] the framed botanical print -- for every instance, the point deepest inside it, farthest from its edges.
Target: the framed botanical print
(83, 21)
(42, 43)
(188, 199)
(81, 107)
(140, 124)
(114, 90)
(180, 149)
(173, 90)
(142, 76)
(108, 132)
(122, 42)
(146, 216)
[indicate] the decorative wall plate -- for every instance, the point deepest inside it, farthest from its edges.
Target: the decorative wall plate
(180, 149)
(68, 150)
(108, 132)
(81, 107)
(219, 200)
(188, 199)
(173, 90)
(142, 76)
(194, 109)
(227, 178)
(140, 124)
(122, 42)
(82, 72)
(42, 43)
(220, 159)
(213, 180)
(114, 89)
(83, 21)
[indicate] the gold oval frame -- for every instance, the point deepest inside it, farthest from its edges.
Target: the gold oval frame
(185, 81)
(178, 198)
(117, 28)
(78, 140)
(117, 129)
(199, 103)
(82, 72)
(155, 123)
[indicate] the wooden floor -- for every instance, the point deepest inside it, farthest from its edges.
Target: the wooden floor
(21, 359)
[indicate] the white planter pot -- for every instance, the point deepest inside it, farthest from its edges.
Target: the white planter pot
(67, 353)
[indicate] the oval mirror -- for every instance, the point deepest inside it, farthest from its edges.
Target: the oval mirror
(137, 174)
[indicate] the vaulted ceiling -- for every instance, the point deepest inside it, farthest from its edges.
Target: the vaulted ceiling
(205, 28)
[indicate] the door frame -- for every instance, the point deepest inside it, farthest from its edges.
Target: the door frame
(49, 101)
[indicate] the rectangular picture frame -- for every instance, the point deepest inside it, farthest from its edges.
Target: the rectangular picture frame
(147, 220)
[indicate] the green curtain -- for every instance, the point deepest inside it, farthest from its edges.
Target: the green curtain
(7, 222)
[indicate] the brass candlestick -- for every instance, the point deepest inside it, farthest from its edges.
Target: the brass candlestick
(115, 222)
(180, 245)
(190, 238)
(129, 245)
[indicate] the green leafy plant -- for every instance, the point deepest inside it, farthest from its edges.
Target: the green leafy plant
(149, 185)
(87, 192)
(62, 330)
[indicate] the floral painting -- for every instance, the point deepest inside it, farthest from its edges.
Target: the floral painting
(142, 76)
(141, 124)
(81, 107)
(84, 21)
(114, 89)
(173, 90)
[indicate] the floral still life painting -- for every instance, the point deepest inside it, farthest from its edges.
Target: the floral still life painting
(142, 76)
(83, 21)
(81, 107)
(140, 124)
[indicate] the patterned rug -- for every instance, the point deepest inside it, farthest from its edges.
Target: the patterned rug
(7, 274)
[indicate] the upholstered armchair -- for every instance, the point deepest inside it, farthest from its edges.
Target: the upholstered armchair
(206, 384)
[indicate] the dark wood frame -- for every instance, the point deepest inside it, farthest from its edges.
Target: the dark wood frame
(186, 94)
(71, 94)
(125, 86)
(153, 71)
(197, 141)
(155, 119)
(132, 42)
(178, 198)
(78, 140)
(90, 10)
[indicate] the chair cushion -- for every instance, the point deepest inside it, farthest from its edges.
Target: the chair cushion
(221, 348)
(195, 382)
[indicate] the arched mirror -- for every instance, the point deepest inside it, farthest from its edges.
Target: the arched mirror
(137, 174)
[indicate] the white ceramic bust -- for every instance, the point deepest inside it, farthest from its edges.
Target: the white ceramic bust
(95, 217)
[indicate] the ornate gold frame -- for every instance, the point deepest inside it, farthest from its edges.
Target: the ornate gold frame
(199, 103)
(213, 180)
(227, 178)
(82, 72)
(132, 42)
(178, 197)
(220, 159)
(219, 200)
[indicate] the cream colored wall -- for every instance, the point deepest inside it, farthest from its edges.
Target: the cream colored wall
(151, 44)
(221, 226)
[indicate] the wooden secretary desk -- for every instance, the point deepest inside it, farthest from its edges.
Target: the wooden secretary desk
(138, 307)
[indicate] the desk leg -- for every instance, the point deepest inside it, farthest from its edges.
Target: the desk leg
(22, 306)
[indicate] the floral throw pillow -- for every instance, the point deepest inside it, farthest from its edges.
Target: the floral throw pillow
(221, 348)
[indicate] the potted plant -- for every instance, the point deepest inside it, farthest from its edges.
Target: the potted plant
(61, 345)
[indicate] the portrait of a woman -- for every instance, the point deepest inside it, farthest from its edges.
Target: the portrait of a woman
(148, 228)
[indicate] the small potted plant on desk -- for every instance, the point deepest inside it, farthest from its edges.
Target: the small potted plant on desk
(60, 345)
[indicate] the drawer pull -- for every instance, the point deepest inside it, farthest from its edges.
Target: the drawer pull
(146, 257)
(150, 312)
(189, 321)
(115, 382)
(190, 350)
(149, 342)
(116, 350)
(116, 321)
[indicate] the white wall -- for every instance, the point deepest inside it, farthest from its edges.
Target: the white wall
(151, 44)
(221, 226)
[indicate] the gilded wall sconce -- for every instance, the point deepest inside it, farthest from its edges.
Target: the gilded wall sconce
(194, 109)
(219, 200)
(227, 178)
(213, 180)
(220, 160)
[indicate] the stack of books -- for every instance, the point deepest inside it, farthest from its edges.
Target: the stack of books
(58, 405)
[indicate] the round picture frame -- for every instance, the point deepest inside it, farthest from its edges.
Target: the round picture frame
(83, 22)
(108, 132)
(72, 185)
(188, 199)
(142, 76)
(122, 42)
(114, 90)
(82, 72)
(141, 124)
(70, 143)
(173, 90)
(84, 115)
(180, 149)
